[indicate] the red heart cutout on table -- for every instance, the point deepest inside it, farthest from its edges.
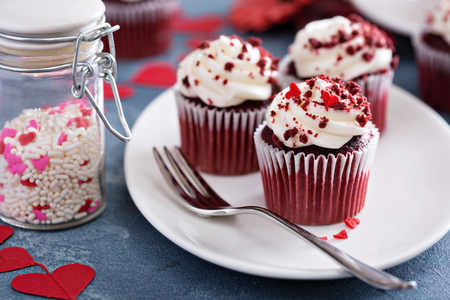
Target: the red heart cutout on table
(66, 282)
(5, 232)
(124, 92)
(156, 74)
(25, 139)
(14, 258)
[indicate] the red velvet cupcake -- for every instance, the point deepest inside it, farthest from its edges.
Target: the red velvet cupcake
(349, 48)
(432, 47)
(222, 93)
(315, 151)
(145, 26)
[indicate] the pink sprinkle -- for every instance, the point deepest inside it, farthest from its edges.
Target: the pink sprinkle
(17, 169)
(41, 163)
(12, 159)
(59, 111)
(81, 102)
(70, 122)
(93, 208)
(2, 198)
(7, 132)
(40, 216)
(62, 138)
(33, 124)
(8, 148)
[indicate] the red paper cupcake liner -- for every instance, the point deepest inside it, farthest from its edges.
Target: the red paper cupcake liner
(312, 190)
(434, 74)
(145, 26)
(374, 86)
(218, 141)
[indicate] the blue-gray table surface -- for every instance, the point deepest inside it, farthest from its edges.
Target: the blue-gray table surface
(132, 260)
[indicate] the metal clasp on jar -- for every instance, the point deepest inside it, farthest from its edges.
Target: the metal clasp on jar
(108, 64)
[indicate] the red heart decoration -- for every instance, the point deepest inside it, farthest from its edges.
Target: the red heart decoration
(14, 258)
(329, 100)
(5, 232)
(124, 92)
(25, 139)
(156, 74)
(66, 282)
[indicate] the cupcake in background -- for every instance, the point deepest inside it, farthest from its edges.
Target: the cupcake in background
(145, 26)
(315, 151)
(222, 93)
(432, 49)
(349, 48)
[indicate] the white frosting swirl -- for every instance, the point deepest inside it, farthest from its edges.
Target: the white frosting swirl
(440, 20)
(347, 49)
(310, 119)
(226, 72)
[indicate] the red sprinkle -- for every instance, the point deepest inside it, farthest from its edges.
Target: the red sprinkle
(85, 207)
(27, 183)
(25, 139)
(2, 147)
(324, 238)
(329, 100)
(352, 222)
(341, 235)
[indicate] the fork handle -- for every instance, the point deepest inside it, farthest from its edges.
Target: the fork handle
(368, 274)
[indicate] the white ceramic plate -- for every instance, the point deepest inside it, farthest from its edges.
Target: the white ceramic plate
(407, 206)
(401, 16)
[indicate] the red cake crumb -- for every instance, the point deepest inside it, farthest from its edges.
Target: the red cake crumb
(229, 66)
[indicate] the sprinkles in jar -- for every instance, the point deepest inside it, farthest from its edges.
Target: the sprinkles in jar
(49, 162)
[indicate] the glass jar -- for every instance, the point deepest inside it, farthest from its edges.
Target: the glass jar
(52, 142)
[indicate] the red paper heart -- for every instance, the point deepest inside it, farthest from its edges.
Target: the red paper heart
(14, 258)
(156, 74)
(5, 232)
(124, 92)
(66, 282)
(203, 24)
(25, 139)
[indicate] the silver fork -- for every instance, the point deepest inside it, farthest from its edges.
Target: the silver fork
(195, 194)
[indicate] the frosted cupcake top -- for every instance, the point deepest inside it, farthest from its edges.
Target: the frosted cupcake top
(228, 71)
(439, 20)
(340, 47)
(321, 111)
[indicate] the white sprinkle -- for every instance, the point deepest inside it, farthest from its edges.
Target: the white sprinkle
(56, 161)
(38, 151)
(70, 173)
(55, 172)
(72, 152)
(54, 183)
(31, 217)
(57, 220)
(30, 156)
(69, 166)
(80, 215)
(55, 153)
(71, 147)
(26, 176)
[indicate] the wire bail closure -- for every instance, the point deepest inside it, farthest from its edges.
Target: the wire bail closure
(109, 72)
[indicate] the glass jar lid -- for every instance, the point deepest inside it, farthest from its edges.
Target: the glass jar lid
(47, 19)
